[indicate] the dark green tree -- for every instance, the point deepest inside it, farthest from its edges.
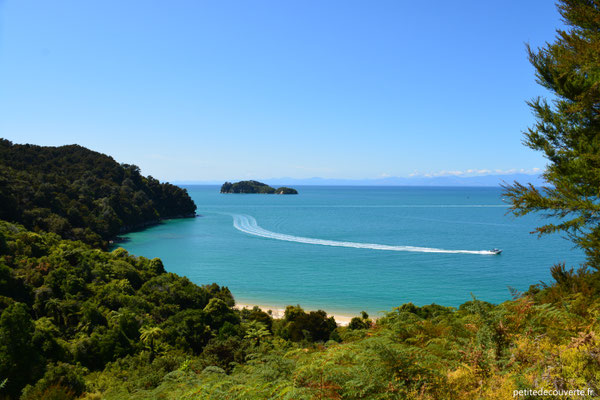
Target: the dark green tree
(567, 131)
(314, 326)
(19, 360)
(60, 378)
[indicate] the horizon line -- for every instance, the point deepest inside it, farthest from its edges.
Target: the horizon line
(450, 180)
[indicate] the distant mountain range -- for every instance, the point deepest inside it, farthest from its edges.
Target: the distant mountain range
(481, 180)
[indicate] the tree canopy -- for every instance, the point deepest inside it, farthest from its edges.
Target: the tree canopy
(567, 131)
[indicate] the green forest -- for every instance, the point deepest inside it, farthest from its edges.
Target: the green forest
(80, 322)
(81, 194)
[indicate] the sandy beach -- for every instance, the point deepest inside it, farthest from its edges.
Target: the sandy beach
(278, 312)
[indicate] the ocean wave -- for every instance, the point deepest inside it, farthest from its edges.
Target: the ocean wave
(247, 224)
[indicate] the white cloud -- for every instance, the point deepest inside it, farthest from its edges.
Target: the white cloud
(476, 172)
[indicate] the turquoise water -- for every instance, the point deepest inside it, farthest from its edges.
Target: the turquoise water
(347, 249)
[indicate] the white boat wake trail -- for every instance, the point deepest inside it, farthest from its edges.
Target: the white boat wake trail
(248, 224)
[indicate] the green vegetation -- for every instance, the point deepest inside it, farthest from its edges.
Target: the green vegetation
(567, 131)
(76, 319)
(79, 322)
(81, 194)
(254, 187)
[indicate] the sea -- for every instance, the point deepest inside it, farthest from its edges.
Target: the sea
(349, 249)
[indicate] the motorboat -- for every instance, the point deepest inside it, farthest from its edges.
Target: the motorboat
(495, 251)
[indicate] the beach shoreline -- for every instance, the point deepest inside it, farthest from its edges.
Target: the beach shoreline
(278, 311)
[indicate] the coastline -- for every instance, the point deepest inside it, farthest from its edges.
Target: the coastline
(279, 311)
(142, 226)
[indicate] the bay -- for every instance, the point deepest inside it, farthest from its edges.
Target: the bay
(347, 249)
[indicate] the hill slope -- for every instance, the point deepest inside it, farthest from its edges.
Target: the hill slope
(81, 194)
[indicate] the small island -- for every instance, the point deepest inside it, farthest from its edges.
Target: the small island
(255, 187)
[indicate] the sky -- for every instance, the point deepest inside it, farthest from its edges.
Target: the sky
(228, 90)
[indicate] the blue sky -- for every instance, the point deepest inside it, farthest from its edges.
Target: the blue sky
(198, 90)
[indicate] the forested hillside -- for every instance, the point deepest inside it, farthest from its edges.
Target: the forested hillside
(81, 194)
(75, 319)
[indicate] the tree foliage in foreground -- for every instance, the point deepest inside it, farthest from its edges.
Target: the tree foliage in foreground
(64, 303)
(543, 339)
(567, 131)
(75, 319)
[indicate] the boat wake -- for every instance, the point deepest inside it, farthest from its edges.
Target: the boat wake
(247, 224)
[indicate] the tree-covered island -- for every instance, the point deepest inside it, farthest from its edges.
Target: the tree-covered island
(255, 187)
